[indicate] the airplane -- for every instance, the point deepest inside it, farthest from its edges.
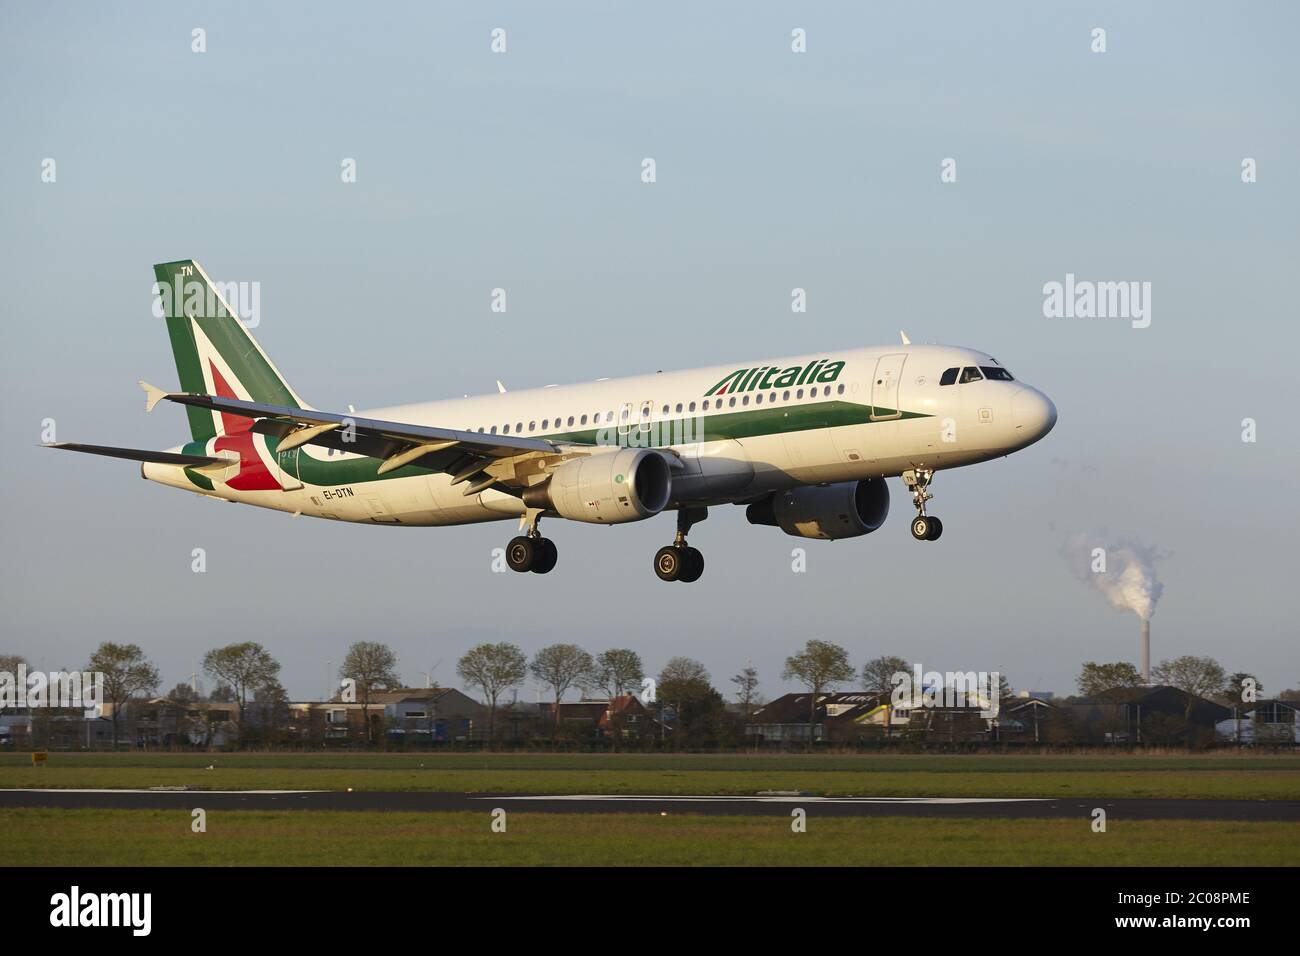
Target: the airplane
(805, 442)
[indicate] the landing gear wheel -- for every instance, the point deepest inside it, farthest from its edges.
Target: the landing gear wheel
(546, 555)
(692, 566)
(521, 553)
(936, 529)
(921, 527)
(669, 563)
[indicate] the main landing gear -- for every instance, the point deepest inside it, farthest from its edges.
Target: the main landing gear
(924, 527)
(530, 551)
(679, 561)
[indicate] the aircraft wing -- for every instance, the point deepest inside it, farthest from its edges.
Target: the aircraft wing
(474, 457)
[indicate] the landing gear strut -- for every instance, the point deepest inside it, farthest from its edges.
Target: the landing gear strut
(679, 561)
(924, 527)
(530, 551)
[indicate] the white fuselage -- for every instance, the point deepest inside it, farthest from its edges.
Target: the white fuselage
(884, 411)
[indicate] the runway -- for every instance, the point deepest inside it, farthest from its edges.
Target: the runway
(768, 804)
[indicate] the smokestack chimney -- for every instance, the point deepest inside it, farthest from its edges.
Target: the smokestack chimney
(1146, 651)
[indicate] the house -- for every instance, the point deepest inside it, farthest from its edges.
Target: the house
(1263, 722)
(1025, 718)
(836, 716)
(420, 715)
(623, 717)
(436, 714)
(163, 722)
(1145, 715)
(858, 717)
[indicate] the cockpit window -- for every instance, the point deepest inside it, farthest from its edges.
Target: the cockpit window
(970, 374)
(995, 374)
(949, 376)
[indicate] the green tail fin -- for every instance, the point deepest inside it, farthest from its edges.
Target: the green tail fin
(214, 351)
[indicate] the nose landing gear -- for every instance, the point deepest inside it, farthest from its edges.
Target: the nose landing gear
(924, 527)
(678, 561)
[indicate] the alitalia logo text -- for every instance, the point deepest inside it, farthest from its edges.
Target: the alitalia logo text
(773, 376)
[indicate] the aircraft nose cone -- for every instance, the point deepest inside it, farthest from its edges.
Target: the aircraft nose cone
(1032, 413)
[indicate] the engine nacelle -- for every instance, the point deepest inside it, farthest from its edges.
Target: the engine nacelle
(606, 488)
(829, 512)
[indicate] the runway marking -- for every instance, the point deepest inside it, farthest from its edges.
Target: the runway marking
(728, 798)
(150, 792)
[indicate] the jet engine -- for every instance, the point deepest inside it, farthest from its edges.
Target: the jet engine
(606, 488)
(829, 512)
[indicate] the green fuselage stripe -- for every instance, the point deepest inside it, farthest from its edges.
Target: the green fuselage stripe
(716, 426)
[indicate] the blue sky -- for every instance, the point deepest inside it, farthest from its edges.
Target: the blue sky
(775, 170)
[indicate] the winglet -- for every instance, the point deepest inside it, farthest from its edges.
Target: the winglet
(906, 340)
(501, 389)
(152, 395)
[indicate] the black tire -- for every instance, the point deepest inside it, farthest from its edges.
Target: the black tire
(692, 566)
(521, 553)
(668, 563)
(547, 555)
(936, 529)
(921, 527)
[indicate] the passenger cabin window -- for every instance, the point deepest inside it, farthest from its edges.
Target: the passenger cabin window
(970, 374)
(949, 377)
(995, 374)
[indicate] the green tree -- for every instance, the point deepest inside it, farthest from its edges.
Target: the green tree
(1194, 676)
(371, 666)
(618, 670)
(560, 667)
(878, 674)
(819, 666)
(126, 671)
(245, 666)
(685, 684)
(1235, 687)
(494, 669)
(1107, 680)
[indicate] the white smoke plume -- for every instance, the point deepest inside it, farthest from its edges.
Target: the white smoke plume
(1129, 583)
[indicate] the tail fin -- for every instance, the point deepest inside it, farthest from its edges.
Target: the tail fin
(214, 351)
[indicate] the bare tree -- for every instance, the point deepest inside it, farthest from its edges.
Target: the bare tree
(819, 666)
(493, 668)
(746, 689)
(373, 666)
(560, 667)
(126, 671)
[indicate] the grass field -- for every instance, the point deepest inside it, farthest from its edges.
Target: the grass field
(1174, 775)
(309, 838)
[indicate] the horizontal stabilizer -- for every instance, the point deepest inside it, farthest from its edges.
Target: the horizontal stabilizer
(138, 454)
